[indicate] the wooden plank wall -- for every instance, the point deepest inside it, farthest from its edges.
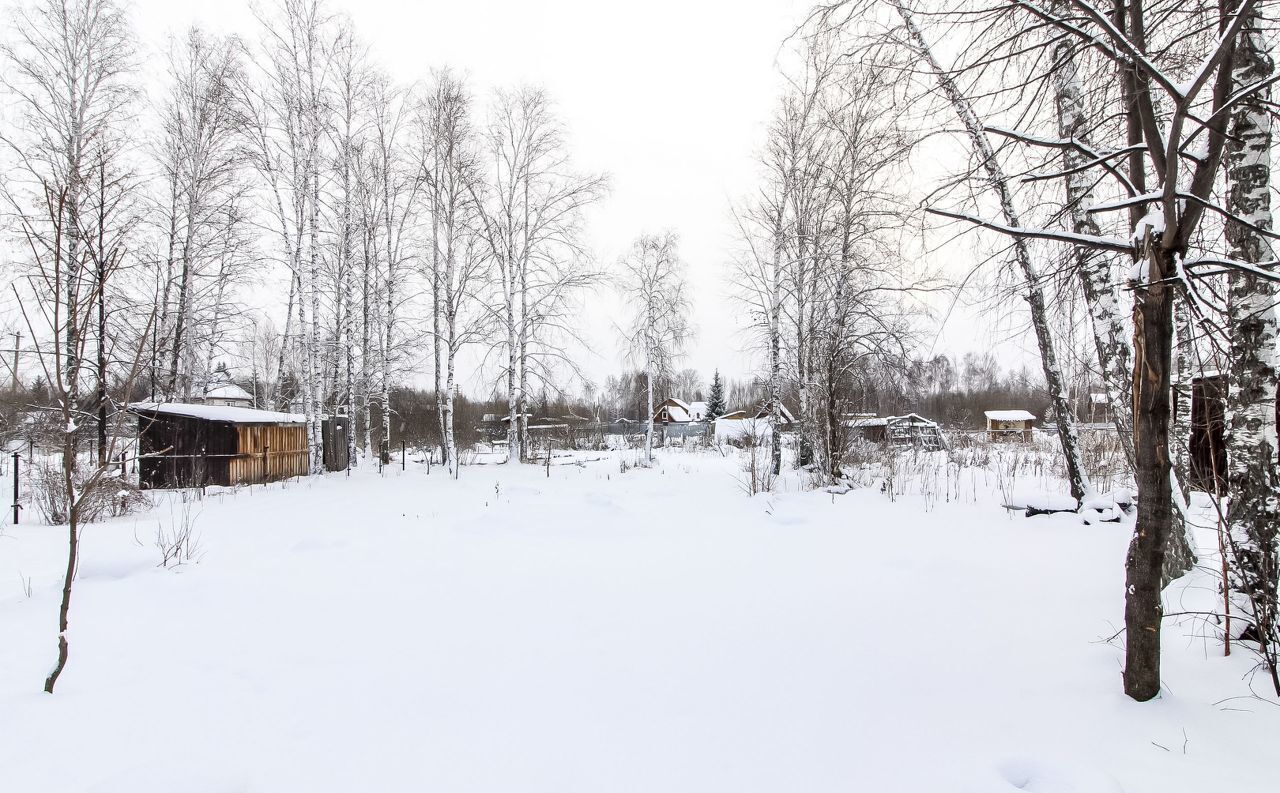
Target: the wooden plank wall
(287, 456)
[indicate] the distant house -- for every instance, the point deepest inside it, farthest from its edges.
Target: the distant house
(673, 411)
(1009, 424)
(909, 430)
(735, 415)
(227, 395)
(784, 415)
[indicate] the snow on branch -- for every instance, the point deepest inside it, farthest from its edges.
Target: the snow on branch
(1084, 240)
(1096, 157)
(1116, 45)
(1223, 264)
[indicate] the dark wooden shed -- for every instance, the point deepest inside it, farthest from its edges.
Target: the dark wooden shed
(1208, 447)
(183, 445)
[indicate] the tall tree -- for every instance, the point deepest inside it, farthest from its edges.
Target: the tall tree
(458, 262)
(1253, 514)
(653, 283)
(201, 156)
(68, 66)
(715, 399)
(998, 181)
(531, 220)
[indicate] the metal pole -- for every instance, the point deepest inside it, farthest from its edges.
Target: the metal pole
(16, 457)
(401, 454)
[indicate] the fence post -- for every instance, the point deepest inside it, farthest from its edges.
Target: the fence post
(16, 457)
(266, 463)
(402, 454)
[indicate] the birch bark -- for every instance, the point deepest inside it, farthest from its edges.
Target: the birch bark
(1068, 435)
(1253, 516)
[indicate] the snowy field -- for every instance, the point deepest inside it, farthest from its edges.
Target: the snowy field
(600, 631)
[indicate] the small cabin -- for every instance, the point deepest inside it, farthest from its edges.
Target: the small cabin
(187, 445)
(1010, 425)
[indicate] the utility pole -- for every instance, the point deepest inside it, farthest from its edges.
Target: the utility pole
(17, 339)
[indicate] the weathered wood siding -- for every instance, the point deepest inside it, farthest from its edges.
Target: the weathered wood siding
(268, 453)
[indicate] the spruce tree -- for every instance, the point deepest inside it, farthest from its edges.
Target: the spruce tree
(715, 405)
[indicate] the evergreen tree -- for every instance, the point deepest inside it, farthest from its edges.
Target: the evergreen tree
(715, 405)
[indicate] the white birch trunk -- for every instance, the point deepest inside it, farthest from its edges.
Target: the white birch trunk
(1111, 334)
(1253, 517)
(648, 427)
(1068, 434)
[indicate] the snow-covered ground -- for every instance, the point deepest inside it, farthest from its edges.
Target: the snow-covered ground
(600, 630)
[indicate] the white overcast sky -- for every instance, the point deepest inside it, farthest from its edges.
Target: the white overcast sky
(670, 98)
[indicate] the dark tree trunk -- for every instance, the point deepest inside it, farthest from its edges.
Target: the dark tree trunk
(73, 552)
(1153, 360)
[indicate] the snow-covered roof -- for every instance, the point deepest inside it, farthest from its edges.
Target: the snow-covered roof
(228, 391)
(1098, 398)
(677, 410)
(698, 409)
(912, 418)
(1010, 415)
(782, 411)
(676, 413)
(234, 415)
(868, 421)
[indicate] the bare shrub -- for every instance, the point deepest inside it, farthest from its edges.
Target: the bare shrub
(49, 493)
(758, 475)
(179, 543)
(99, 497)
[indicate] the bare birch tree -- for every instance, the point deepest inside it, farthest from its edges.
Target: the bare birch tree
(531, 216)
(458, 260)
(653, 284)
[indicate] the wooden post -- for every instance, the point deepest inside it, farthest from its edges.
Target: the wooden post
(402, 454)
(266, 463)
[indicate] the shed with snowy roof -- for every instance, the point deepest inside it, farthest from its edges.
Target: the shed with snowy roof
(909, 430)
(1010, 425)
(189, 445)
